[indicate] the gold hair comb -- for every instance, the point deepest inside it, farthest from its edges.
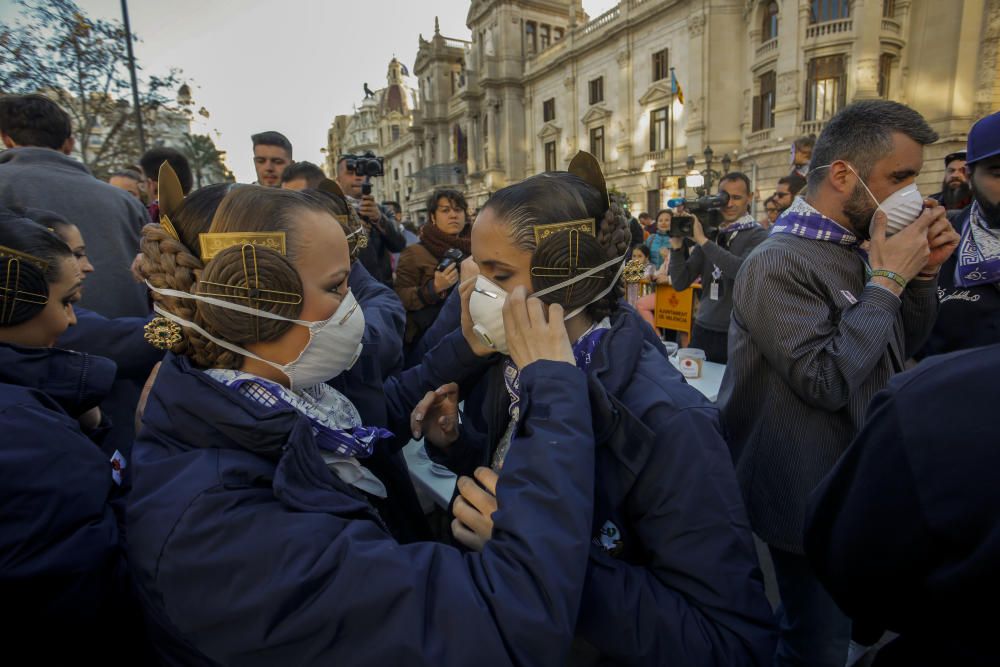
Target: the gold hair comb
(171, 196)
(588, 168)
(584, 226)
(24, 257)
(215, 242)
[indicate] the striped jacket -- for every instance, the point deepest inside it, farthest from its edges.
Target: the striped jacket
(810, 343)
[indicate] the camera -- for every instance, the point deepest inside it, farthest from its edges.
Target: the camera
(367, 165)
(453, 256)
(708, 206)
(681, 226)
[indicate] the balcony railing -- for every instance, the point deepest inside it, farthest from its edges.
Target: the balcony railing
(767, 47)
(657, 155)
(452, 173)
(891, 26)
(602, 20)
(829, 28)
(760, 136)
(813, 126)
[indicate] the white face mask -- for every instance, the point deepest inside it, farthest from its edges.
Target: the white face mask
(334, 343)
(901, 208)
(486, 304)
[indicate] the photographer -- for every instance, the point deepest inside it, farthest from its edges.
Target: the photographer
(717, 263)
(429, 269)
(384, 236)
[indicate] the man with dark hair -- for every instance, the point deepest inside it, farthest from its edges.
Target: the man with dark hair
(717, 262)
(301, 176)
(128, 180)
(384, 235)
(802, 149)
(37, 172)
(818, 328)
(969, 284)
(955, 191)
(788, 188)
(771, 212)
(150, 162)
(648, 226)
(272, 153)
(405, 224)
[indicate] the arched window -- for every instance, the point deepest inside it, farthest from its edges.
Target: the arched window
(770, 28)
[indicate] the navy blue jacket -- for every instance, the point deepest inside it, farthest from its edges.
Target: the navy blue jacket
(967, 316)
(676, 580)
(905, 531)
(248, 551)
(61, 558)
(120, 340)
(448, 319)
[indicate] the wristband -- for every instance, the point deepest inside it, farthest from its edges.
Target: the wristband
(891, 275)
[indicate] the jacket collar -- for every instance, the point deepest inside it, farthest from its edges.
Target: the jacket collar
(34, 155)
(76, 381)
(188, 411)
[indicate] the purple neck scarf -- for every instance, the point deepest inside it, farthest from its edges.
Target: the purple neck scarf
(356, 441)
(744, 223)
(803, 220)
(583, 353)
(978, 256)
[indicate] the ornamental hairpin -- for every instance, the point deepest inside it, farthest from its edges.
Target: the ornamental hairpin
(587, 168)
(171, 196)
(10, 287)
(213, 243)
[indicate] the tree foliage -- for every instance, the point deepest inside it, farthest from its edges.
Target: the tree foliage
(82, 63)
(205, 159)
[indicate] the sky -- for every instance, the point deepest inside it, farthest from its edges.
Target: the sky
(289, 66)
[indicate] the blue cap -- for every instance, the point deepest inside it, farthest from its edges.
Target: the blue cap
(984, 139)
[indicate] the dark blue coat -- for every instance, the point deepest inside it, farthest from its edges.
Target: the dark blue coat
(677, 581)
(61, 561)
(248, 551)
(967, 316)
(905, 531)
(120, 340)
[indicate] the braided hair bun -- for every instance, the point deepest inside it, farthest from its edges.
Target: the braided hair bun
(559, 197)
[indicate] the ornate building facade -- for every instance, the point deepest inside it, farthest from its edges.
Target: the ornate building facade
(539, 80)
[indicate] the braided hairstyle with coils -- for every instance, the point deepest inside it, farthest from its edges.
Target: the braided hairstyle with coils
(24, 286)
(554, 197)
(231, 274)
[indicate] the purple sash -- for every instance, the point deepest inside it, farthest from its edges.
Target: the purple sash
(803, 220)
(978, 261)
(583, 353)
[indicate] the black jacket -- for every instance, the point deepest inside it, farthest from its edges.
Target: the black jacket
(384, 238)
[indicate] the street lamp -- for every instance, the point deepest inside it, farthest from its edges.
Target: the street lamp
(702, 180)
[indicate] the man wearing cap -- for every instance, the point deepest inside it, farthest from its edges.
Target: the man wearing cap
(969, 282)
(955, 193)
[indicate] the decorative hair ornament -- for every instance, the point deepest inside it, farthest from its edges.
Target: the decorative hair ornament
(10, 288)
(161, 333)
(357, 237)
(213, 243)
(171, 196)
(586, 167)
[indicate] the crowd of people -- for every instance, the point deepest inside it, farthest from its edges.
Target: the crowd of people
(206, 392)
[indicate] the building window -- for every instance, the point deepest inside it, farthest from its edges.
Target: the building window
(543, 36)
(557, 34)
(597, 143)
(884, 72)
(549, 110)
(530, 35)
(395, 132)
(763, 111)
(395, 174)
(826, 87)
(661, 65)
(769, 30)
(550, 156)
(597, 90)
(829, 10)
(658, 130)
(486, 141)
(652, 204)
(409, 169)
(889, 8)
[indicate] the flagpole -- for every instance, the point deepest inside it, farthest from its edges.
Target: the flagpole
(670, 117)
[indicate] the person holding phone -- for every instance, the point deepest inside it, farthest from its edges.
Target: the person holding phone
(428, 270)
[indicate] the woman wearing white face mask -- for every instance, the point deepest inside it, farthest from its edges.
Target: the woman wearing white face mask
(673, 576)
(260, 532)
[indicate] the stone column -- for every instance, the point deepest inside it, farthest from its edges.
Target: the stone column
(863, 67)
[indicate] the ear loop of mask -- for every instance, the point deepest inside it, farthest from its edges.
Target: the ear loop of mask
(223, 304)
(860, 180)
(622, 260)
